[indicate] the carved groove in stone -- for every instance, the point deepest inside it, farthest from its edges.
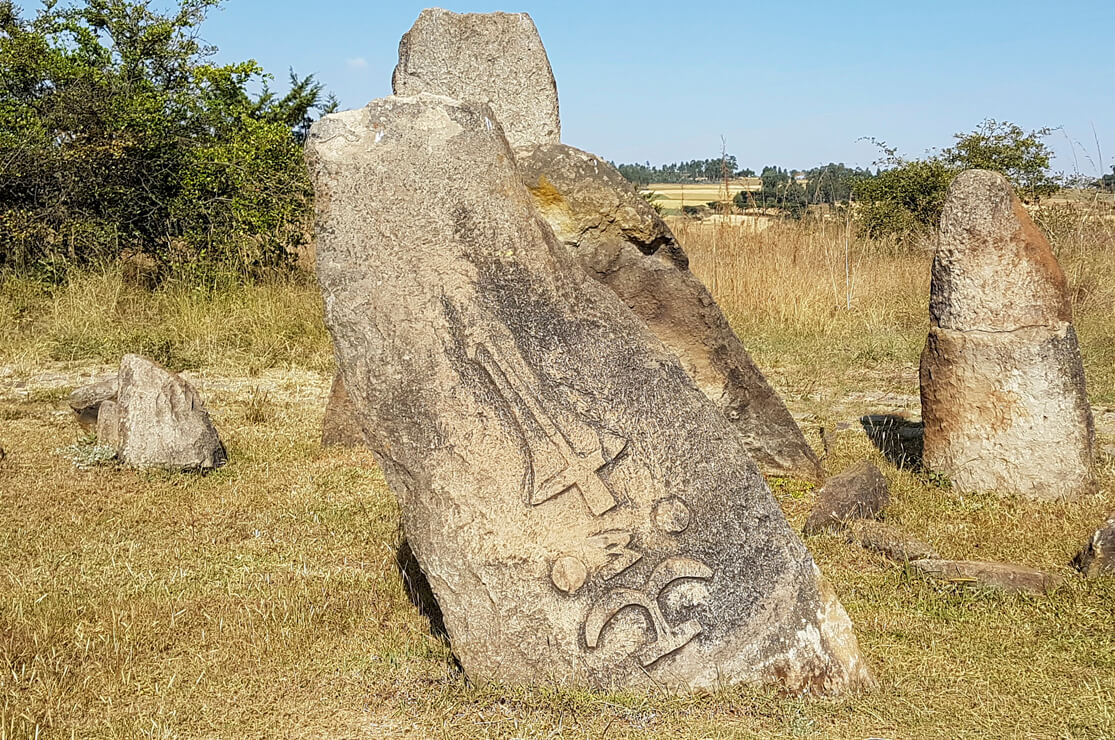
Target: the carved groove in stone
(620, 557)
(573, 469)
(667, 639)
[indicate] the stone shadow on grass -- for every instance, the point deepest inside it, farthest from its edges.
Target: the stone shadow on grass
(898, 438)
(418, 589)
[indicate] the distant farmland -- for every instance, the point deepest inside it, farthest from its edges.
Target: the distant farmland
(672, 195)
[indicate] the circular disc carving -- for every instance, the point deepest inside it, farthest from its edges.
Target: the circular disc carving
(672, 516)
(569, 574)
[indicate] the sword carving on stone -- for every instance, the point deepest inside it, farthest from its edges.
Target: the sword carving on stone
(557, 466)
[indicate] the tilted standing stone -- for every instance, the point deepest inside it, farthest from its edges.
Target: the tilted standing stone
(623, 242)
(157, 420)
(492, 58)
(1002, 383)
(584, 514)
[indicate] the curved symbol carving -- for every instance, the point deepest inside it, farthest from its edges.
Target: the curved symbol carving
(667, 639)
(619, 556)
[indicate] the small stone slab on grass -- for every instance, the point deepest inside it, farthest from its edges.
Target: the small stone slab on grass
(889, 541)
(1001, 576)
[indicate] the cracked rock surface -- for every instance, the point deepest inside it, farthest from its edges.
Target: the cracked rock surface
(583, 513)
(1002, 382)
(622, 242)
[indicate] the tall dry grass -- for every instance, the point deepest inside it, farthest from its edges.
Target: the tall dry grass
(819, 306)
(98, 315)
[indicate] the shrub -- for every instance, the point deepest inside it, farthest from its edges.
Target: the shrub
(906, 197)
(117, 135)
(905, 200)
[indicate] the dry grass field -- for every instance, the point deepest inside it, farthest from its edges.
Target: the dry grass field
(672, 196)
(264, 600)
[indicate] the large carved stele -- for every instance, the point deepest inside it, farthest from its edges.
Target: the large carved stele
(584, 514)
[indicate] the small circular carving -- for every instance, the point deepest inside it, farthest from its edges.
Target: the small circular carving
(671, 516)
(569, 574)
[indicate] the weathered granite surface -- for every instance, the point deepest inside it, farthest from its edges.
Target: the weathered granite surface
(492, 58)
(622, 242)
(584, 514)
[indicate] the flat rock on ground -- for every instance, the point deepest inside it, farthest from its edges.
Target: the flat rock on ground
(583, 513)
(1000, 576)
(889, 541)
(86, 401)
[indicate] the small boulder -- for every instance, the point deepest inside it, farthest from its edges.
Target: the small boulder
(1001, 576)
(889, 541)
(1098, 556)
(86, 401)
(341, 427)
(858, 493)
(158, 421)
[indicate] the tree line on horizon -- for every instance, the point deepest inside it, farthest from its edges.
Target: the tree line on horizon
(899, 196)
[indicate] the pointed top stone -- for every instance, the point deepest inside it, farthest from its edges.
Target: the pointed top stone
(994, 270)
(492, 58)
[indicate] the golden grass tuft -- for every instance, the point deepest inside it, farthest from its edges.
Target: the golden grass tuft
(819, 306)
(98, 316)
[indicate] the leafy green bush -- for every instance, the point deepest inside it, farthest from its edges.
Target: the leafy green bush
(904, 200)
(118, 137)
(1021, 156)
(906, 197)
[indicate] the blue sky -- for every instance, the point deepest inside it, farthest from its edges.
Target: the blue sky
(792, 83)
